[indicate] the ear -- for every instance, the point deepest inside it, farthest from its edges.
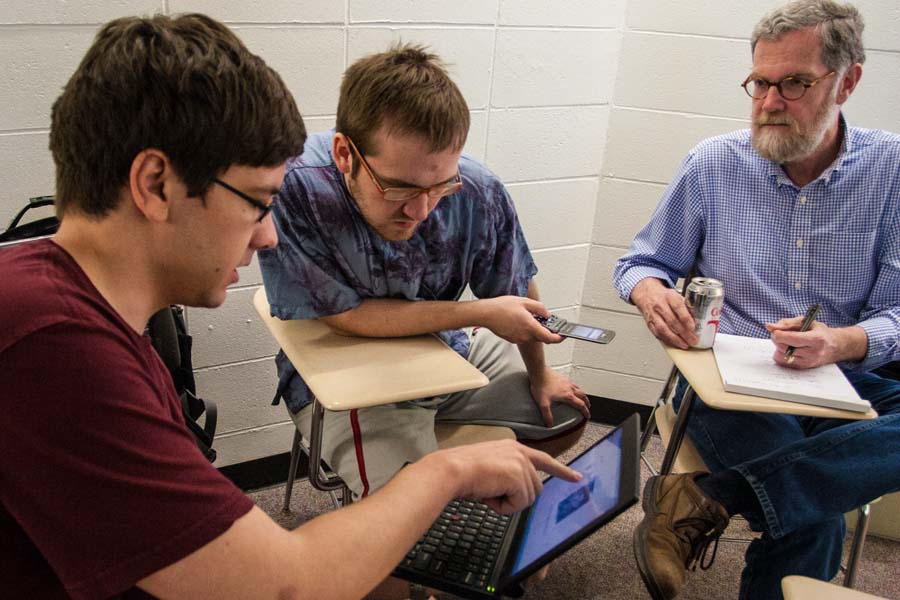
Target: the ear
(848, 83)
(150, 183)
(340, 150)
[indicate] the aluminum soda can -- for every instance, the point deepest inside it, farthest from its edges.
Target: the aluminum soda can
(705, 298)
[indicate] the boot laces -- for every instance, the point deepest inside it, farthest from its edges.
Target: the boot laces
(699, 542)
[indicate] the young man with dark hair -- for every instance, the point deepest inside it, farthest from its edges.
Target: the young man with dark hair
(169, 142)
(800, 209)
(383, 224)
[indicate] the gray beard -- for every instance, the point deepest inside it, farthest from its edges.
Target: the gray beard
(798, 145)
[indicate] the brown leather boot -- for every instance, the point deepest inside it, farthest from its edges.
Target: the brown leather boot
(679, 524)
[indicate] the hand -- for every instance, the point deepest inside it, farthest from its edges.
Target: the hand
(551, 387)
(665, 312)
(502, 474)
(512, 318)
(819, 345)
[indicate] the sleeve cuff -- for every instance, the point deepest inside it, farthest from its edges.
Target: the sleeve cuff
(882, 344)
(633, 276)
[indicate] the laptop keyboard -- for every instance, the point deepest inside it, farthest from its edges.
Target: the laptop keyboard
(462, 545)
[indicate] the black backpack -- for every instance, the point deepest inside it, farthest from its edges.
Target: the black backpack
(166, 329)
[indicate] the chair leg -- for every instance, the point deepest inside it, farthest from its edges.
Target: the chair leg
(856, 548)
(292, 473)
(678, 431)
(650, 427)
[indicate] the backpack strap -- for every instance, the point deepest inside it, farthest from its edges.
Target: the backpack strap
(169, 336)
(206, 434)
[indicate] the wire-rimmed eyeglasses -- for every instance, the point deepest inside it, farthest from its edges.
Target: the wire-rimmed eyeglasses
(403, 194)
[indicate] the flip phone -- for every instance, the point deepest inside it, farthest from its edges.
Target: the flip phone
(575, 330)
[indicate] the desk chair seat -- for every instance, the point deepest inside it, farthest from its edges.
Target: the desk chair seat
(796, 587)
(681, 454)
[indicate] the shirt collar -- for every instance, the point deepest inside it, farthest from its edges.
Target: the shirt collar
(776, 172)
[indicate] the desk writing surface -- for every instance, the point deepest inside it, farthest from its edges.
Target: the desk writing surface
(797, 587)
(746, 366)
(355, 372)
(699, 368)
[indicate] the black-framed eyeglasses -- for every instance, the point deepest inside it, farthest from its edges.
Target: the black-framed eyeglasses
(790, 88)
(403, 194)
(264, 208)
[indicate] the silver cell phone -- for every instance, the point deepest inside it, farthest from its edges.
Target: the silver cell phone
(576, 330)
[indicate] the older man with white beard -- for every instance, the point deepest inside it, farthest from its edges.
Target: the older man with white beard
(800, 209)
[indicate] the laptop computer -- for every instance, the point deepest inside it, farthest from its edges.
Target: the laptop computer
(475, 553)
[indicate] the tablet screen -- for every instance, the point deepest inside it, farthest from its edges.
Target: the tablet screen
(564, 508)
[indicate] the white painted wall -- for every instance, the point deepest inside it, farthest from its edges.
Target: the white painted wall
(677, 83)
(538, 77)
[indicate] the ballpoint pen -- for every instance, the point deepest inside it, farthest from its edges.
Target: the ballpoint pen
(807, 323)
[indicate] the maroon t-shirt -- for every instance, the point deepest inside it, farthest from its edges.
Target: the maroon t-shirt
(100, 482)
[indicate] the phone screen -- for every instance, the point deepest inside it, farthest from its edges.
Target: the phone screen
(589, 333)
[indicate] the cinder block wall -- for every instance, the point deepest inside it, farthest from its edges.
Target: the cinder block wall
(677, 83)
(538, 77)
(556, 88)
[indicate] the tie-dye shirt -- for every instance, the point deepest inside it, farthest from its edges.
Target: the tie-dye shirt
(328, 260)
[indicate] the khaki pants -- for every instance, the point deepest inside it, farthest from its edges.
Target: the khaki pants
(366, 447)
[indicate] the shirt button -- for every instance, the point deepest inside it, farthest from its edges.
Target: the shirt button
(799, 243)
(797, 286)
(802, 199)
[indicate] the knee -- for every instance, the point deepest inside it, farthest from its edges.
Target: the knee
(557, 444)
(814, 551)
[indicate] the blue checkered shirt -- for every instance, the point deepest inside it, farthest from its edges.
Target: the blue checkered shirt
(779, 248)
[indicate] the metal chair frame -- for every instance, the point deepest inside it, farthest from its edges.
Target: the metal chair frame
(320, 478)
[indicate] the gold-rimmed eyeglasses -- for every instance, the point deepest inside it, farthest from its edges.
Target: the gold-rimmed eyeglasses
(790, 88)
(403, 194)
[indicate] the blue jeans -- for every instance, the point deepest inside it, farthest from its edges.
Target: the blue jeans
(806, 472)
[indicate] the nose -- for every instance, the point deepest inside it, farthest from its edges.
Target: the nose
(773, 101)
(417, 208)
(265, 236)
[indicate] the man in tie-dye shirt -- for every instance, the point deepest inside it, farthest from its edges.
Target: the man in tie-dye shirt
(382, 226)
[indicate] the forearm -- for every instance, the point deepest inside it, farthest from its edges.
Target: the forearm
(341, 554)
(375, 534)
(533, 351)
(667, 246)
(533, 357)
(388, 317)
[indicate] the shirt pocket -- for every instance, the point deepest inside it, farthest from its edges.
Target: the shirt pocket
(842, 269)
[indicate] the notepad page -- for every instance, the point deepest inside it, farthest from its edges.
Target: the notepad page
(746, 367)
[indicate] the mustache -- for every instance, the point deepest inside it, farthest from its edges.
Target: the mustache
(765, 119)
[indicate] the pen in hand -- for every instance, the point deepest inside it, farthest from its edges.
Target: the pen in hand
(807, 323)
